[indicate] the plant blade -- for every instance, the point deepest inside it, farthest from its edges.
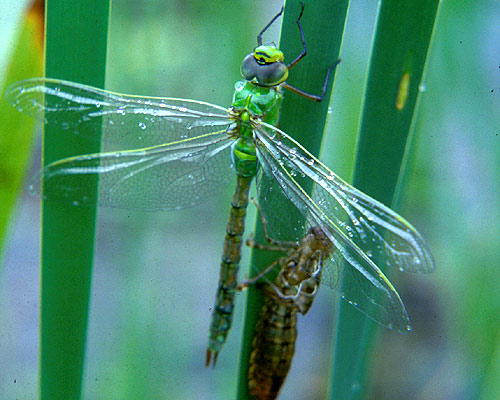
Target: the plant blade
(397, 66)
(75, 50)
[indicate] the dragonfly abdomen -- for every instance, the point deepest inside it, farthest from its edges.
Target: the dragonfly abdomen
(222, 315)
(273, 347)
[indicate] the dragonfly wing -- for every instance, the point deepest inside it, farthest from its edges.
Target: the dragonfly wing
(276, 216)
(386, 237)
(162, 177)
(363, 284)
(127, 122)
(380, 302)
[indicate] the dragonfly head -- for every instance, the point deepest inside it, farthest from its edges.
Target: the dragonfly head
(265, 66)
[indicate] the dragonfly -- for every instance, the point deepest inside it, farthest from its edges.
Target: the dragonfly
(292, 291)
(169, 153)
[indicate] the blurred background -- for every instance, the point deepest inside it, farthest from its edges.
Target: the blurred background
(155, 274)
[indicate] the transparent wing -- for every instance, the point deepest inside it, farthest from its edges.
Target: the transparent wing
(351, 220)
(128, 122)
(361, 283)
(385, 237)
(162, 177)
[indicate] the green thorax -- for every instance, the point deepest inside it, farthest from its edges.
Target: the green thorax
(260, 101)
(252, 102)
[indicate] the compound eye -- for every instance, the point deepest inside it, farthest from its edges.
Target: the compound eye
(271, 74)
(249, 67)
(265, 74)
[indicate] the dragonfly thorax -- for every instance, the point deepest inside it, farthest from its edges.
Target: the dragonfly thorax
(265, 66)
(306, 262)
(259, 101)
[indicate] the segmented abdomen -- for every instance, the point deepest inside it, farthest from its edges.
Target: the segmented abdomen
(275, 334)
(292, 291)
(222, 315)
(273, 347)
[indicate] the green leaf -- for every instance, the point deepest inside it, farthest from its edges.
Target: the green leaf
(75, 50)
(400, 48)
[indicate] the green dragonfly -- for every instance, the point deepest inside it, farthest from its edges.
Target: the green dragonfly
(169, 153)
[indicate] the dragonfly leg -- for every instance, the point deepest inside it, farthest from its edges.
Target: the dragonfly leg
(304, 292)
(296, 60)
(253, 244)
(299, 291)
(318, 254)
(313, 97)
(251, 281)
(304, 47)
(283, 296)
(259, 37)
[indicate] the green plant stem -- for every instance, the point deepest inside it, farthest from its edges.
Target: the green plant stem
(76, 33)
(400, 48)
(323, 24)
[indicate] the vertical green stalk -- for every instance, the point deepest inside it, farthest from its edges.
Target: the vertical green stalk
(397, 66)
(76, 33)
(323, 24)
